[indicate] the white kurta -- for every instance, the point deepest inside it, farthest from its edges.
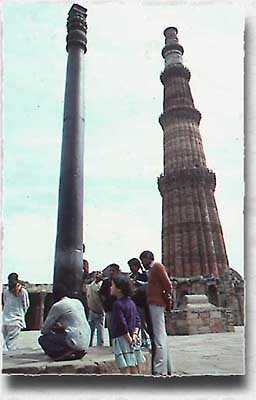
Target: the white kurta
(15, 308)
(13, 317)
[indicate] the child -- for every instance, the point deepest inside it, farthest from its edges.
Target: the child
(124, 328)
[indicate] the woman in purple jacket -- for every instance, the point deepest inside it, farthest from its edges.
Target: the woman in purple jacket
(125, 324)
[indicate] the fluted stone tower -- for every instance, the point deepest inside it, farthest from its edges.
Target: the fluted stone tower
(193, 248)
(192, 239)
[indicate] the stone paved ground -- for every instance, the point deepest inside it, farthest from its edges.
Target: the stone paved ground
(209, 354)
(30, 359)
(205, 354)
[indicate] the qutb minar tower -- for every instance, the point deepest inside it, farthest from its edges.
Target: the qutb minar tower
(192, 238)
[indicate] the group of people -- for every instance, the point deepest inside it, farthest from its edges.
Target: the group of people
(132, 307)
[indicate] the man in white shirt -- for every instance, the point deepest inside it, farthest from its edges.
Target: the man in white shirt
(65, 332)
(16, 304)
(96, 310)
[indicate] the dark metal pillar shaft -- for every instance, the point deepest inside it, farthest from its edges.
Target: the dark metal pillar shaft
(69, 252)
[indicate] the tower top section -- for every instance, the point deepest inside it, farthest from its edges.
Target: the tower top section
(172, 51)
(77, 27)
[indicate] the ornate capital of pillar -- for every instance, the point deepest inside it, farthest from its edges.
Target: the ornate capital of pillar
(77, 27)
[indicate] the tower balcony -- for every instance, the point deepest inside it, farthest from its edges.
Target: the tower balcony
(187, 177)
(180, 113)
(174, 70)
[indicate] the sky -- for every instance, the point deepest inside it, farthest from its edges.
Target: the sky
(123, 139)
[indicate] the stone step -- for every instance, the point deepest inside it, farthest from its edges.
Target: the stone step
(98, 360)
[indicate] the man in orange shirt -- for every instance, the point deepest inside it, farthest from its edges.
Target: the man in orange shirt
(159, 297)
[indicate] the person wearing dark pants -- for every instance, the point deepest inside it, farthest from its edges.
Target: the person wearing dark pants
(65, 332)
(139, 282)
(55, 346)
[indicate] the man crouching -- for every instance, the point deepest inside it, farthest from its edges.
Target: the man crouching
(65, 332)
